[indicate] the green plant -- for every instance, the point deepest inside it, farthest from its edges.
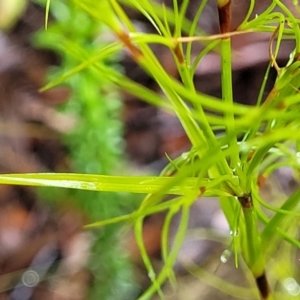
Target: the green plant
(254, 140)
(95, 145)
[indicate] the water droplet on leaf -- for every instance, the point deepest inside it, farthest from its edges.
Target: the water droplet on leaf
(292, 286)
(225, 256)
(234, 232)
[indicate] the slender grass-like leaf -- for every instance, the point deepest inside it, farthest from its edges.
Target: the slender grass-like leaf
(156, 286)
(129, 184)
(290, 204)
(220, 284)
(47, 11)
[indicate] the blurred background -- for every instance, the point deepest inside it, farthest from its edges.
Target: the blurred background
(88, 126)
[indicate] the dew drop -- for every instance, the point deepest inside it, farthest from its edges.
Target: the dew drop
(225, 256)
(291, 286)
(234, 232)
(185, 155)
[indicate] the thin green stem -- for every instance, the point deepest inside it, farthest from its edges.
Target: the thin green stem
(193, 30)
(252, 250)
(250, 10)
(226, 76)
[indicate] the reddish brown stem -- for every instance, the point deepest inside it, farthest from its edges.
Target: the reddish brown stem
(135, 52)
(178, 53)
(224, 10)
(263, 286)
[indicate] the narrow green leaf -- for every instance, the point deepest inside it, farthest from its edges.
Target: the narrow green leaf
(129, 184)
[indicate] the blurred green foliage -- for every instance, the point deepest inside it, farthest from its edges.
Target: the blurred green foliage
(96, 144)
